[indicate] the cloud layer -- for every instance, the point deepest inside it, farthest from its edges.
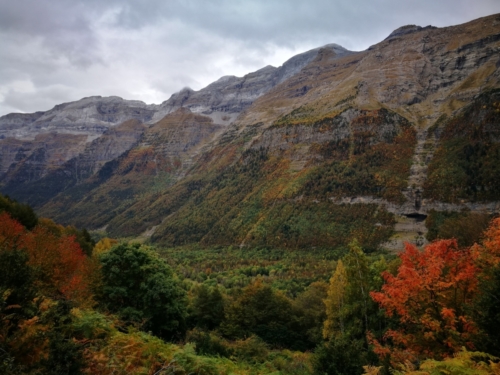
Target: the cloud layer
(56, 51)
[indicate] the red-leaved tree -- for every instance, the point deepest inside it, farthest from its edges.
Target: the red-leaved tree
(429, 297)
(61, 266)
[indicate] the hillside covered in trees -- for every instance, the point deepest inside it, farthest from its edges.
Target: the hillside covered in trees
(70, 306)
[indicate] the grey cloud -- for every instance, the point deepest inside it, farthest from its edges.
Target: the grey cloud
(64, 27)
(286, 22)
(59, 50)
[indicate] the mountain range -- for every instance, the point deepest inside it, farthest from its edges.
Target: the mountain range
(332, 146)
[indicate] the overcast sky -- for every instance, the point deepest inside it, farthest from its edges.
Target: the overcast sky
(55, 51)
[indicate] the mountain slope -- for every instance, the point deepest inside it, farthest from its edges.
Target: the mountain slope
(334, 145)
(29, 140)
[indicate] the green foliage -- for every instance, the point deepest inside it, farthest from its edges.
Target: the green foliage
(16, 294)
(16, 278)
(91, 325)
(310, 310)
(206, 308)
(465, 165)
(23, 213)
(64, 355)
(463, 363)
(141, 288)
(290, 271)
(208, 343)
(336, 302)
(350, 310)
(467, 227)
(351, 314)
(380, 170)
(342, 356)
(251, 349)
(488, 309)
(261, 311)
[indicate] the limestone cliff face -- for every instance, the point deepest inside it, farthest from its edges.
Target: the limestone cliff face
(373, 126)
(90, 116)
(23, 161)
(32, 145)
(113, 143)
(419, 73)
(163, 154)
(179, 137)
(56, 162)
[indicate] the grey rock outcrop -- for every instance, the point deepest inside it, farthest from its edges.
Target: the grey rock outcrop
(408, 29)
(32, 140)
(90, 116)
(43, 141)
(227, 97)
(42, 173)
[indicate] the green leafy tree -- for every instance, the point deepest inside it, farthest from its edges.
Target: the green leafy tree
(488, 307)
(359, 307)
(341, 356)
(207, 308)
(310, 311)
(350, 314)
(261, 311)
(141, 288)
(336, 302)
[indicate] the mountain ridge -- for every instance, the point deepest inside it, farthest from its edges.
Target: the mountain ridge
(346, 129)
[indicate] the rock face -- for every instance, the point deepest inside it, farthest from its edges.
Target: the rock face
(226, 98)
(26, 161)
(419, 73)
(89, 116)
(408, 29)
(36, 178)
(178, 138)
(336, 129)
(32, 145)
(329, 128)
(24, 138)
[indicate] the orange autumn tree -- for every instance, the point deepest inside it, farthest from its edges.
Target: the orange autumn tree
(487, 254)
(58, 260)
(429, 297)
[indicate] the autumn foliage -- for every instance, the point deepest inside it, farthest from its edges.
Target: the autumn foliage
(432, 297)
(58, 260)
(429, 296)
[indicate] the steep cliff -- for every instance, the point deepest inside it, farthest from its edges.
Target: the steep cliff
(88, 159)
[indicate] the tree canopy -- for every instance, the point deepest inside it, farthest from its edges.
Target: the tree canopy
(140, 288)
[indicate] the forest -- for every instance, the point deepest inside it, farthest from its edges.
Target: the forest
(69, 305)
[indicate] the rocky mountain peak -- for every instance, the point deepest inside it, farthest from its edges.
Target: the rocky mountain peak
(90, 116)
(408, 29)
(224, 99)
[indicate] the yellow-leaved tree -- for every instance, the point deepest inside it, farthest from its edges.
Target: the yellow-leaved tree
(335, 302)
